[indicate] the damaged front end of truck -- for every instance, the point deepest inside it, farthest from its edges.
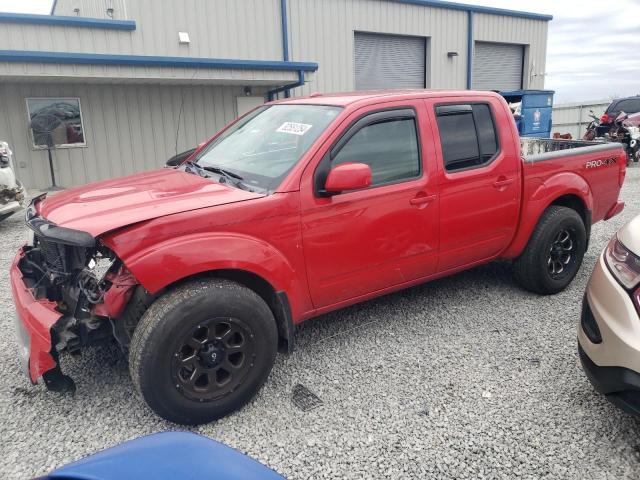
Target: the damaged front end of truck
(70, 292)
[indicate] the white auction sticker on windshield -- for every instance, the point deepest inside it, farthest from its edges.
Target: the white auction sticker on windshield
(294, 128)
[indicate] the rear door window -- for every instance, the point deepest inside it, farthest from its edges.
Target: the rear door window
(467, 135)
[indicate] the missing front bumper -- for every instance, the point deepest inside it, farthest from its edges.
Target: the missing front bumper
(34, 322)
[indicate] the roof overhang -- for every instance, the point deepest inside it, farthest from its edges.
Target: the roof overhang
(21, 65)
(70, 58)
(64, 21)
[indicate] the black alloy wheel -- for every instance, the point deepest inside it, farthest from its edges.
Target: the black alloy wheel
(561, 253)
(213, 359)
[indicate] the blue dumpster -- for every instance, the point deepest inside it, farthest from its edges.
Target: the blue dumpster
(533, 117)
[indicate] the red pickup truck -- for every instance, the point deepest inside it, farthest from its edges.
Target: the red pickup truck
(303, 206)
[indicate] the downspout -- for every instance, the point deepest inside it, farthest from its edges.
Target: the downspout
(469, 49)
(272, 93)
(285, 36)
(285, 56)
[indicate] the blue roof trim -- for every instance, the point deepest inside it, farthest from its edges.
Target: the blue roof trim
(477, 9)
(30, 56)
(27, 18)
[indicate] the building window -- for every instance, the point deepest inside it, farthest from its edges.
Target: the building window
(55, 122)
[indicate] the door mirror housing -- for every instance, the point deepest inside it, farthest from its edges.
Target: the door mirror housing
(347, 176)
(181, 157)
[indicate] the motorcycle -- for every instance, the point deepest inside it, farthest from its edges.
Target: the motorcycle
(592, 129)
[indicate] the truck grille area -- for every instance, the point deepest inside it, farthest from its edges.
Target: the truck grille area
(54, 256)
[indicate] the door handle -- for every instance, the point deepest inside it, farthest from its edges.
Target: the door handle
(422, 200)
(502, 183)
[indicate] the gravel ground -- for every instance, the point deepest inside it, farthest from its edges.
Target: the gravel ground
(464, 377)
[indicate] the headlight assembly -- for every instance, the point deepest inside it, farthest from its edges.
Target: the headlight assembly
(624, 265)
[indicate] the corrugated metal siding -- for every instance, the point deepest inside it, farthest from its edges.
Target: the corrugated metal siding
(531, 33)
(92, 8)
(243, 29)
(128, 128)
(389, 61)
(497, 66)
(573, 118)
(235, 29)
(322, 31)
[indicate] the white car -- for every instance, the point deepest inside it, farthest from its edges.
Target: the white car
(13, 196)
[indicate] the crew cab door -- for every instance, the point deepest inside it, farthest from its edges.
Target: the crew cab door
(359, 242)
(479, 180)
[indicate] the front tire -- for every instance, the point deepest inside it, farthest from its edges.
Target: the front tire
(203, 350)
(554, 253)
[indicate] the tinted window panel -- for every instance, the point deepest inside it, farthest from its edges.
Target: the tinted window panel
(389, 148)
(628, 106)
(459, 141)
(486, 132)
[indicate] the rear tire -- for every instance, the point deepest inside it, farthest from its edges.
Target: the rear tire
(203, 350)
(554, 253)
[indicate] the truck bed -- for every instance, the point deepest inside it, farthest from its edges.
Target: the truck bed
(596, 169)
(538, 149)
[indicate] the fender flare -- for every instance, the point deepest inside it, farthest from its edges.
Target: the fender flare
(542, 197)
(159, 266)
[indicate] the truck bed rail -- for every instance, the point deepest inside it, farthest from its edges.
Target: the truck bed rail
(539, 149)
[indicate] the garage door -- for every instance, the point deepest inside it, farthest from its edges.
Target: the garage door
(389, 61)
(497, 66)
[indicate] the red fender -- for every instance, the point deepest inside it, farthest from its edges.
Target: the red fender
(538, 198)
(161, 264)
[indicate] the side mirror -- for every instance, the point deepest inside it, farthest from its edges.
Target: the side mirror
(179, 158)
(348, 176)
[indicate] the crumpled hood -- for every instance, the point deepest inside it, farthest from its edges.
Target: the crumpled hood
(99, 207)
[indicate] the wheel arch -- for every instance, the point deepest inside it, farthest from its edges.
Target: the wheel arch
(567, 190)
(249, 261)
(576, 203)
(277, 301)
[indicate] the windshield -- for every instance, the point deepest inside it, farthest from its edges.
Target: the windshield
(265, 145)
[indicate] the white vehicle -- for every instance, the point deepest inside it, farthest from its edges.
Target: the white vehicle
(13, 196)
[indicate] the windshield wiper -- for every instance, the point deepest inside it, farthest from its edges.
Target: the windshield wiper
(221, 171)
(233, 178)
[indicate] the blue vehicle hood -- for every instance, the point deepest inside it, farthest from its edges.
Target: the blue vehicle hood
(167, 456)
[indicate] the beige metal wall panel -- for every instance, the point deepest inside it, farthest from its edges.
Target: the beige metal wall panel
(524, 31)
(322, 31)
(239, 29)
(573, 118)
(92, 8)
(128, 128)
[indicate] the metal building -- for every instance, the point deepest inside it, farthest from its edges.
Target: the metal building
(132, 82)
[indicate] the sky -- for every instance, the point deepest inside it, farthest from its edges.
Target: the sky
(593, 51)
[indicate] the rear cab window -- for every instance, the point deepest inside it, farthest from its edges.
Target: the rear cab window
(467, 135)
